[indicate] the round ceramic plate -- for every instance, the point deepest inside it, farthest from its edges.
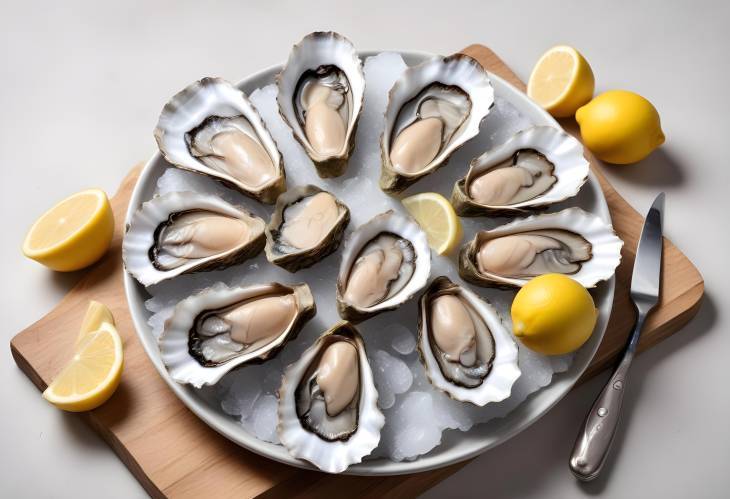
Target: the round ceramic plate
(456, 446)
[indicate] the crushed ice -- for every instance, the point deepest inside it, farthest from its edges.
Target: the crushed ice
(416, 414)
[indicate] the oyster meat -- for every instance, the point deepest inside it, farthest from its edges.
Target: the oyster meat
(320, 96)
(211, 128)
(220, 328)
(328, 412)
(306, 226)
(385, 262)
(537, 167)
(433, 109)
(571, 242)
(184, 232)
(465, 348)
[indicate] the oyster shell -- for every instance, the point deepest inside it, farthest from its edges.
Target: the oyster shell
(385, 262)
(328, 403)
(306, 226)
(211, 128)
(433, 109)
(572, 242)
(183, 232)
(463, 345)
(537, 167)
(320, 97)
(221, 328)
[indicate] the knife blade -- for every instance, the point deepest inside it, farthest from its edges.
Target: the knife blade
(599, 428)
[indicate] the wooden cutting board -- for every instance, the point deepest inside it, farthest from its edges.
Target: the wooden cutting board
(172, 453)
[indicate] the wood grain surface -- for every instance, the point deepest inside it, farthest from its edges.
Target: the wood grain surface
(174, 454)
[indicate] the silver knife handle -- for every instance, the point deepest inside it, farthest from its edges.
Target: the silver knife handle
(599, 428)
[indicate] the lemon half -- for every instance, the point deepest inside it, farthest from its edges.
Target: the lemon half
(437, 218)
(561, 81)
(73, 234)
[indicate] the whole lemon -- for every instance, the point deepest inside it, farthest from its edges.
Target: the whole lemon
(620, 127)
(553, 314)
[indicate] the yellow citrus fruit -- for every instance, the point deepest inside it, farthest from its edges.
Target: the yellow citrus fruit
(73, 234)
(437, 218)
(92, 375)
(553, 314)
(561, 81)
(620, 127)
(96, 315)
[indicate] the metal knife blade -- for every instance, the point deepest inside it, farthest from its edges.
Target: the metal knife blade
(647, 266)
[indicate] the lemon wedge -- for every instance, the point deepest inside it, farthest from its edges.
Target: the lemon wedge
(437, 218)
(96, 315)
(92, 375)
(73, 234)
(553, 314)
(561, 81)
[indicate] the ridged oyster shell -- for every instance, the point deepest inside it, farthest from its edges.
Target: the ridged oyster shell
(182, 349)
(198, 114)
(330, 58)
(403, 228)
(141, 241)
(501, 369)
(603, 250)
(562, 151)
(291, 258)
(455, 77)
(333, 454)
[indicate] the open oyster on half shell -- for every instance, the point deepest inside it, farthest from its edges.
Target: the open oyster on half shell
(385, 262)
(328, 403)
(433, 109)
(572, 242)
(537, 167)
(320, 97)
(464, 347)
(183, 232)
(221, 328)
(306, 226)
(211, 128)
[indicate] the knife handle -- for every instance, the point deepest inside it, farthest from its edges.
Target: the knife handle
(594, 439)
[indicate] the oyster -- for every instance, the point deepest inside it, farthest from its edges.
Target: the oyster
(306, 226)
(433, 109)
(571, 242)
(328, 404)
(537, 167)
(320, 96)
(183, 232)
(211, 128)
(385, 262)
(221, 328)
(465, 348)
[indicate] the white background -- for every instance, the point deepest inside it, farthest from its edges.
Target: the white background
(81, 86)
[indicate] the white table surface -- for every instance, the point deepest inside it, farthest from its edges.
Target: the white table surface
(81, 86)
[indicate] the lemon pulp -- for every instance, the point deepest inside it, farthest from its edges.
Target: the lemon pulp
(561, 81)
(437, 218)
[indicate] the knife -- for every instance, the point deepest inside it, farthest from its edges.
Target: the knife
(594, 440)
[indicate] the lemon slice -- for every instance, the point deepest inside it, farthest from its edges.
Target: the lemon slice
(561, 81)
(92, 375)
(96, 315)
(437, 218)
(73, 234)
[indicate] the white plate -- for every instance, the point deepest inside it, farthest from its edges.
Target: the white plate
(456, 446)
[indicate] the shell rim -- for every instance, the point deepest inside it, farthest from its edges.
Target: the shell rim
(225, 426)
